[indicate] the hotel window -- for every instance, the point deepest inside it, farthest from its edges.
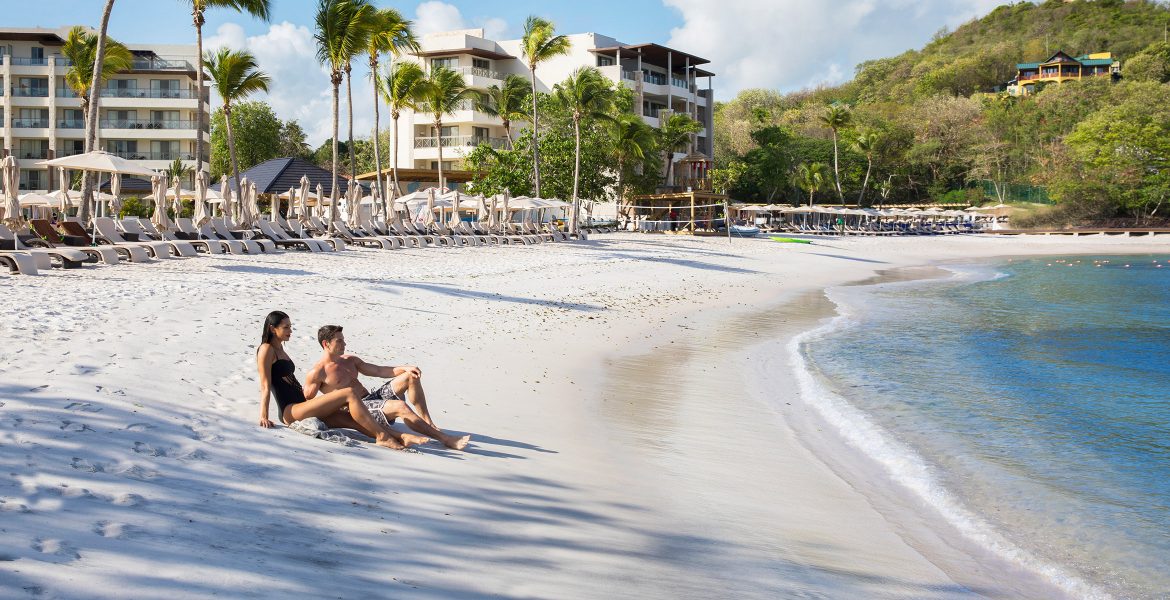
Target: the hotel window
(123, 148)
(160, 117)
(33, 149)
(164, 88)
(123, 88)
(32, 180)
(448, 131)
(34, 117)
(481, 63)
(70, 147)
(167, 150)
(480, 134)
(33, 86)
(604, 61)
(121, 119)
(448, 61)
(37, 52)
(447, 164)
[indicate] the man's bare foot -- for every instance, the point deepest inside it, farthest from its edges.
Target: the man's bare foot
(413, 440)
(456, 443)
(391, 443)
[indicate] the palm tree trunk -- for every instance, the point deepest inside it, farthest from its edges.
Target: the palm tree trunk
(576, 174)
(95, 95)
(394, 166)
(198, 17)
(508, 132)
(535, 137)
(227, 120)
(439, 129)
(349, 102)
(620, 189)
(333, 192)
(865, 182)
(377, 137)
(810, 196)
(836, 170)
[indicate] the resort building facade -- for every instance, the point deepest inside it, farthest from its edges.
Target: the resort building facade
(147, 114)
(1061, 67)
(664, 80)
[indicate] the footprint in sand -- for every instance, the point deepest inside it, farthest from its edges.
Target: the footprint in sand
(115, 530)
(144, 448)
(55, 550)
(128, 500)
(138, 427)
(11, 505)
(38, 388)
(84, 465)
(74, 427)
(83, 407)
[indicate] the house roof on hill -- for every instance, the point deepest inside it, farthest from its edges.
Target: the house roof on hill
(279, 174)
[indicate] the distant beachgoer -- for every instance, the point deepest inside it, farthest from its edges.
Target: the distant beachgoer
(339, 371)
(341, 407)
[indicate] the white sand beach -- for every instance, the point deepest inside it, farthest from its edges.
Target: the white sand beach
(623, 443)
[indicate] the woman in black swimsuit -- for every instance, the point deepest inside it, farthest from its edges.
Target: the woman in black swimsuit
(277, 379)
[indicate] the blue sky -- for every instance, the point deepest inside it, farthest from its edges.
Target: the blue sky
(778, 44)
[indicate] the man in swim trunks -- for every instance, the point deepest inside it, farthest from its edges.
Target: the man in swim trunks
(338, 370)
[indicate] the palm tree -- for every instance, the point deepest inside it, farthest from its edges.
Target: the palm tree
(177, 170)
(540, 43)
(506, 102)
(400, 89)
(674, 135)
(257, 8)
(866, 143)
(811, 178)
(340, 36)
(440, 94)
(631, 139)
(99, 58)
(587, 95)
(234, 75)
(388, 32)
(81, 49)
(363, 29)
(837, 117)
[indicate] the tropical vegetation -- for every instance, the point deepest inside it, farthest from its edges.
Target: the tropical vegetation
(235, 75)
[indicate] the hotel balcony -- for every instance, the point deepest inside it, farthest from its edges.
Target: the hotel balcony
(480, 78)
(144, 128)
(146, 98)
(454, 146)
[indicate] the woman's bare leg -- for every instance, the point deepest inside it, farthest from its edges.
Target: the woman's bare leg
(328, 404)
(409, 388)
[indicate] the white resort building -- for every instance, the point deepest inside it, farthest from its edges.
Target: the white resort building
(663, 80)
(147, 114)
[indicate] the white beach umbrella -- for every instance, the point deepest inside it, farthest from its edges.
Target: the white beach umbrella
(493, 221)
(429, 218)
(115, 193)
(303, 197)
(320, 200)
(253, 205)
(160, 220)
(63, 188)
(11, 208)
(177, 200)
(225, 188)
(200, 215)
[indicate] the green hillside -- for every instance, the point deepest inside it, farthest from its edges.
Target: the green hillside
(934, 125)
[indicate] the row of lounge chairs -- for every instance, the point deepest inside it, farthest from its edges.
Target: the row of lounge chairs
(70, 245)
(876, 228)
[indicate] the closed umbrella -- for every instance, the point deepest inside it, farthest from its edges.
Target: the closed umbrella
(429, 218)
(200, 215)
(177, 201)
(242, 213)
(225, 188)
(303, 197)
(63, 189)
(493, 222)
(11, 196)
(160, 219)
(253, 206)
(115, 191)
(506, 216)
(320, 200)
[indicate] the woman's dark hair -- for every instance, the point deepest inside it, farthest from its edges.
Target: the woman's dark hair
(274, 319)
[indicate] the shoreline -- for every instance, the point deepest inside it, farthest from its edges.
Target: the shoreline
(564, 493)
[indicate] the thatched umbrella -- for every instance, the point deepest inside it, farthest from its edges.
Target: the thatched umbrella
(200, 198)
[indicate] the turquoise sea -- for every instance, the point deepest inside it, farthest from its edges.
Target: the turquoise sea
(1029, 401)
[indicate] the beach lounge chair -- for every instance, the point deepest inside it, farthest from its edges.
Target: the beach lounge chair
(464, 228)
(410, 235)
(225, 231)
(54, 239)
(209, 247)
(73, 228)
(362, 240)
(132, 226)
(283, 240)
(237, 246)
(459, 239)
(372, 230)
(186, 230)
(297, 229)
(108, 232)
(45, 257)
(19, 262)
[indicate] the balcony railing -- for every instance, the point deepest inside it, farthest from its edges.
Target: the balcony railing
(146, 124)
(28, 61)
(69, 151)
(162, 155)
(65, 91)
(137, 93)
(466, 141)
(628, 75)
(478, 72)
(161, 64)
(71, 124)
(30, 92)
(30, 123)
(32, 154)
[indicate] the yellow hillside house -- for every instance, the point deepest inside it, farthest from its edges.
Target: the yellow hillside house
(1061, 67)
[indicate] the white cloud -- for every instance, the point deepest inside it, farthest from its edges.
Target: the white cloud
(300, 87)
(789, 44)
(435, 16)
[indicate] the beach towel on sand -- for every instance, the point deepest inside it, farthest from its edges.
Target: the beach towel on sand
(317, 428)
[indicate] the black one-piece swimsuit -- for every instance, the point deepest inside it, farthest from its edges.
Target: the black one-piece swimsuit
(285, 386)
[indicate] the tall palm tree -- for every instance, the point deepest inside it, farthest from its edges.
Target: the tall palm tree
(837, 117)
(99, 58)
(400, 89)
(234, 75)
(506, 102)
(257, 8)
(674, 135)
(363, 29)
(587, 95)
(540, 43)
(440, 94)
(81, 49)
(389, 32)
(811, 178)
(631, 139)
(340, 36)
(866, 143)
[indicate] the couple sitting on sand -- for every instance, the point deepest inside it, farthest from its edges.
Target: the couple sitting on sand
(344, 401)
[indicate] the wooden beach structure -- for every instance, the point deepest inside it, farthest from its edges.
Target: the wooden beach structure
(696, 209)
